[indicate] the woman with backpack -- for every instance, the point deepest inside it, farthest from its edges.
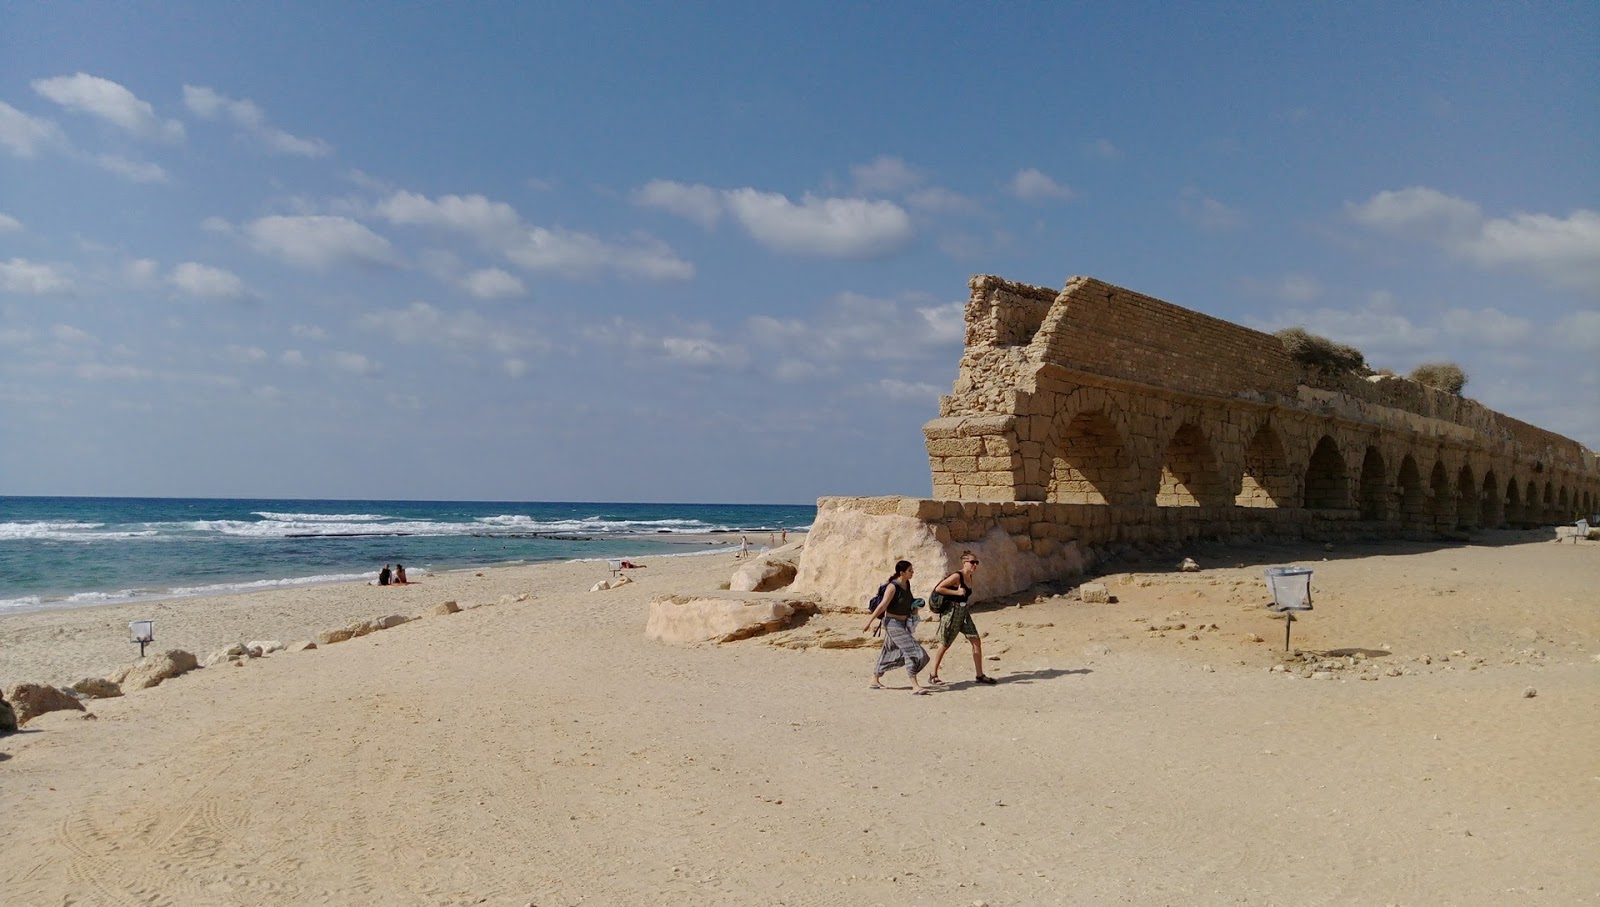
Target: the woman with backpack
(895, 608)
(957, 589)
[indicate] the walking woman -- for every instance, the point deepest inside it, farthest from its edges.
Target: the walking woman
(895, 607)
(957, 589)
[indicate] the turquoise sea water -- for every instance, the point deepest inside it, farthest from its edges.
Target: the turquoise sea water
(66, 552)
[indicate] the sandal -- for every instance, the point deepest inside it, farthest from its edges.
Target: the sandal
(922, 691)
(934, 681)
(985, 678)
(875, 686)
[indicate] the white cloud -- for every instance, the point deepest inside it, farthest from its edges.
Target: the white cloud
(15, 337)
(493, 283)
(309, 332)
(207, 104)
(292, 358)
(1376, 326)
(32, 278)
(133, 171)
(95, 371)
(250, 355)
(208, 282)
(701, 204)
(1031, 185)
(141, 273)
(1487, 327)
(584, 255)
(498, 226)
(354, 363)
(827, 227)
(703, 353)
(1293, 288)
(514, 368)
(885, 174)
(1579, 331)
(423, 323)
(111, 102)
(9, 224)
(319, 242)
(1563, 252)
(67, 333)
(25, 135)
(1207, 213)
(491, 221)
(1103, 149)
(906, 391)
(945, 323)
(939, 200)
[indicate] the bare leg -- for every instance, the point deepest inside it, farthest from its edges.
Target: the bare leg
(977, 655)
(938, 658)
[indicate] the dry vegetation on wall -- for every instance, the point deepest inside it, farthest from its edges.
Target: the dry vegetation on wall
(1319, 354)
(1446, 376)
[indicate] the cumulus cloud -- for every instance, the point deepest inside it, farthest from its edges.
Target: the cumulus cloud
(939, 200)
(422, 323)
(1579, 331)
(26, 135)
(67, 333)
(1032, 185)
(109, 101)
(906, 391)
(207, 104)
(493, 283)
(701, 204)
(319, 242)
(576, 254)
(1103, 149)
(885, 174)
(292, 358)
(499, 227)
(207, 282)
(133, 171)
(9, 224)
(702, 353)
(354, 363)
(1562, 252)
(1207, 213)
(1378, 325)
(1486, 327)
(249, 355)
(33, 278)
(824, 227)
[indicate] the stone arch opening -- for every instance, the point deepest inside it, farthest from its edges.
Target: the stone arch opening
(1513, 510)
(1326, 487)
(1189, 474)
(1090, 464)
(1491, 509)
(1530, 504)
(1444, 501)
(1547, 512)
(1267, 481)
(1561, 505)
(1373, 493)
(1413, 499)
(1466, 499)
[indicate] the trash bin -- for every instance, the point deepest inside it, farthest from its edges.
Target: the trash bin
(1290, 588)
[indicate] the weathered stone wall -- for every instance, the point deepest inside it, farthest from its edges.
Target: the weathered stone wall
(1096, 416)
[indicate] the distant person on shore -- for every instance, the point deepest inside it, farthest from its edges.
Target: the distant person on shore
(383, 576)
(957, 590)
(772, 540)
(785, 537)
(400, 575)
(744, 547)
(894, 608)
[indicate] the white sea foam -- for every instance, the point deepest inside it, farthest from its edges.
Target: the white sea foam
(49, 531)
(257, 585)
(27, 601)
(320, 517)
(595, 524)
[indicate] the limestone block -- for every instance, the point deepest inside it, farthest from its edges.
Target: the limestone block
(762, 576)
(1094, 593)
(329, 637)
(153, 669)
(443, 608)
(680, 619)
(97, 688)
(955, 447)
(29, 700)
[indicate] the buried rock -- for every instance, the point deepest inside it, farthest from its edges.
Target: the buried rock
(683, 619)
(30, 700)
(151, 670)
(762, 576)
(97, 688)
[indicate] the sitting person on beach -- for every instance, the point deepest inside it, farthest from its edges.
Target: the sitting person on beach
(383, 576)
(895, 608)
(400, 575)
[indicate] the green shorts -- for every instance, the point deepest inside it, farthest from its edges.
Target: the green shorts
(957, 618)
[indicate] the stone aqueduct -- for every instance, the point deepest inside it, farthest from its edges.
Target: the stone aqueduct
(1096, 415)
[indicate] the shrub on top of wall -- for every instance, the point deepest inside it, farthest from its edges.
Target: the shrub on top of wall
(1446, 376)
(1319, 354)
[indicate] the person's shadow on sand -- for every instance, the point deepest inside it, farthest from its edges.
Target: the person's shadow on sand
(1022, 677)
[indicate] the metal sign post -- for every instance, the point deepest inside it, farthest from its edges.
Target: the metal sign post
(1291, 592)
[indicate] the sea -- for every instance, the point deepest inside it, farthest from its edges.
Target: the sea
(64, 552)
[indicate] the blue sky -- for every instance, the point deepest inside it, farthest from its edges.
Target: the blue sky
(718, 252)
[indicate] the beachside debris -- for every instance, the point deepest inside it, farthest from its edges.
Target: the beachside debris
(1189, 566)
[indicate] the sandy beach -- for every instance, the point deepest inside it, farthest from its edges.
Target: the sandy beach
(544, 751)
